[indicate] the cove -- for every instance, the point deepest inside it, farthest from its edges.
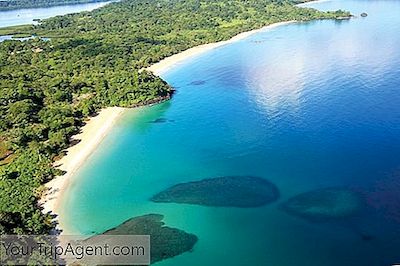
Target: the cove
(307, 106)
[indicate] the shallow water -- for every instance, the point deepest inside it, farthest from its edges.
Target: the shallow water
(306, 106)
(27, 15)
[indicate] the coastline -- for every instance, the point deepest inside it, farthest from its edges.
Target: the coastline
(97, 128)
(92, 133)
(173, 60)
(311, 2)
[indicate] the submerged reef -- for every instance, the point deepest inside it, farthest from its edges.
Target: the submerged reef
(197, 82)
(229, 191)
(166, 242)
(324, 204)
(161, 120)
(383, 197)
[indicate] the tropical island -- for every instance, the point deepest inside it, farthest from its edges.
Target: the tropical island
(96, 60)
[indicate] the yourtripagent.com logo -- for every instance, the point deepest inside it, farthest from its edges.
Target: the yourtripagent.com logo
(63, 250)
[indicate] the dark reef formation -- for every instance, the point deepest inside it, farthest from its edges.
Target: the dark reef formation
(166, 242)
(229, 191)
(324, 204)
(197, 82)
(161, 120)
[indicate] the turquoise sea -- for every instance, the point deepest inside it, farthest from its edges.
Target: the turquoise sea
(306, 106)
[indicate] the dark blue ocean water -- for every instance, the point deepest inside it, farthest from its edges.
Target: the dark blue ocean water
(306, 106)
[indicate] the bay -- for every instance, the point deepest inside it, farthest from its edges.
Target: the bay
(307, 106)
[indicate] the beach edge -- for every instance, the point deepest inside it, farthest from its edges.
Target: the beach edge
(167, 63)
(90, 136)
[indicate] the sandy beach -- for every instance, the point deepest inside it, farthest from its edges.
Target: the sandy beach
(92, 133)
(97, 128)
(169, 62)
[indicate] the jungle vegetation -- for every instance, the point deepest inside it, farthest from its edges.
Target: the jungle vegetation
(94, 60)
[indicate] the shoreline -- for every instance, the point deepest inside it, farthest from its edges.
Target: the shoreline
(91, 135)
(174, 60)
(94, 131)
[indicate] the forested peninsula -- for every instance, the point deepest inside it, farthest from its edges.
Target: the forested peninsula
(95, 60)
(17, 4)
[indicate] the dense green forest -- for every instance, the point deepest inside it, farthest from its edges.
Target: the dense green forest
(16, 4)
(93, 60)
